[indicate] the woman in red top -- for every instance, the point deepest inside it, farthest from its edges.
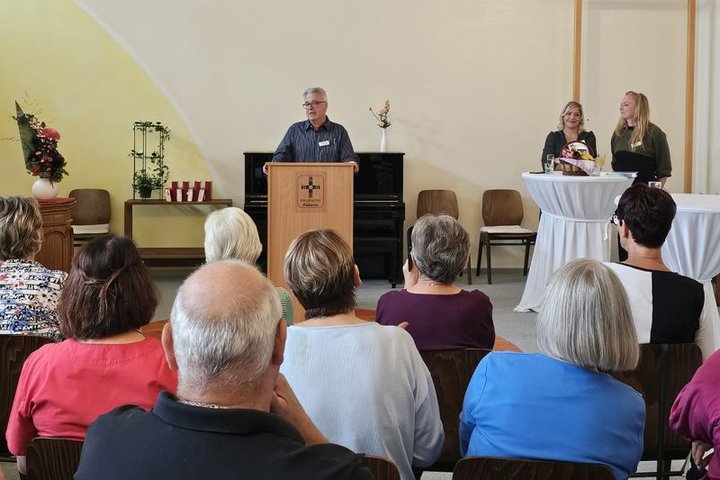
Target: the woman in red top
(104, 362)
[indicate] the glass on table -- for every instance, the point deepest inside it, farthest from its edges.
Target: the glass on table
(549, 163)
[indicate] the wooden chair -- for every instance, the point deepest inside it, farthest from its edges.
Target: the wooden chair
(491, 468)
(502, 213)
(154, 329)
(91, 214)
(451, 371)
(664, 369)
(14, 349)
(53, 458)
(438, 202)
(381, 468)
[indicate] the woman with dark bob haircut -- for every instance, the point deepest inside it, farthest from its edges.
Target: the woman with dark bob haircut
(440, 315)
(105, 361)
(667, 307)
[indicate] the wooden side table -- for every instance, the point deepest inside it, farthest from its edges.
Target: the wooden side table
(56, 252)
(169, 255)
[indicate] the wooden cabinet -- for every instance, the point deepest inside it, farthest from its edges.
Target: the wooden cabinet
(56, 252)
(164, 256)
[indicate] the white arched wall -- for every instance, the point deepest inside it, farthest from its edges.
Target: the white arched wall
(474, 86)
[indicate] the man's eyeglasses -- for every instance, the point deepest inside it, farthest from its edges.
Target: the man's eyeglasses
(313, 104)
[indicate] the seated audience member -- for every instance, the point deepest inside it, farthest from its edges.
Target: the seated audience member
(560, 404)
(105, 361)
(696, 415)
(29, 292)
(666, 306)
(234, 416)
(440, 315)
(364, 385)
(230, 234)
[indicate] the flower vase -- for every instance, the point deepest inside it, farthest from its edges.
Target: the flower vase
(384, 141)
(43, 188)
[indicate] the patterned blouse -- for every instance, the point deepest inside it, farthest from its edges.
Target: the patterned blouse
(29, 295)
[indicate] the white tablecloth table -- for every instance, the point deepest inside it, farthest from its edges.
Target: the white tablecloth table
(692, 247)
(574, 224)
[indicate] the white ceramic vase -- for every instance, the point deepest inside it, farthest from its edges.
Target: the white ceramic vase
(43, 188)
(384, 141)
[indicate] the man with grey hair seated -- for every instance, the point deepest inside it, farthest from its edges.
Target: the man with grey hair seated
(316, 139)
(234, 415)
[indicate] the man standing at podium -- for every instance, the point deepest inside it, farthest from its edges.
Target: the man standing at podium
(316, 139)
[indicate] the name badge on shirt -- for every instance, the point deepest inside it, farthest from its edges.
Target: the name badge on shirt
(636, 144)
(324, 143)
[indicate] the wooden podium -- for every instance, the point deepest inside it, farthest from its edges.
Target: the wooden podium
(302, 197)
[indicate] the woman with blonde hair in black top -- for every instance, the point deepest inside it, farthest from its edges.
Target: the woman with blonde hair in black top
(571, 128)
(639, 145)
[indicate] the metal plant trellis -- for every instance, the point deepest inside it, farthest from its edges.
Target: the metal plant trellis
(149, 169)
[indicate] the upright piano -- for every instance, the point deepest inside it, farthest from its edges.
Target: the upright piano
(379, 211)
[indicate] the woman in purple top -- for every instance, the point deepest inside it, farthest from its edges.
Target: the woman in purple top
(440, 315)
(696, 415)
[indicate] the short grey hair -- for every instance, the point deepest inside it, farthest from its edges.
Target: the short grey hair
(224, 321)
(230, 234)
(585, 318)
(20, 227)
(440, 247)
(319, 90)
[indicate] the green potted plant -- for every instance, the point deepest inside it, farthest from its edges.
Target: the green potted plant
(145, 182)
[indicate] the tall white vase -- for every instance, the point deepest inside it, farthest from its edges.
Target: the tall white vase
(384, 141)
(43, 188)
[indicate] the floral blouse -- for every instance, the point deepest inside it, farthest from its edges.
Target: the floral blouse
(29, 295)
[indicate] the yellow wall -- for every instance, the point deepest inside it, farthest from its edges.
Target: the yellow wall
(60, 63)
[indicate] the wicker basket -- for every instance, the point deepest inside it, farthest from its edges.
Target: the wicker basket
(570, 169)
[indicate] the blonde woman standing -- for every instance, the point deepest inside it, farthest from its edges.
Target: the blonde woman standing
(638, 145)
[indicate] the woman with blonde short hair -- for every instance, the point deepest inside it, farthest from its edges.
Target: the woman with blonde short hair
(639, 145)
(440, 314)
(230, 234)
(29, 292)
(568, 407)
(571, 128)
(364, 385)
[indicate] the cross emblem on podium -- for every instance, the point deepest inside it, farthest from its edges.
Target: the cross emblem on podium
(310, 187)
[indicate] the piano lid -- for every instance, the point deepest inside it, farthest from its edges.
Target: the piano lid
(380, 178)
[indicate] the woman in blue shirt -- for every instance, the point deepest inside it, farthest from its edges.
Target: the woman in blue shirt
(558, 404)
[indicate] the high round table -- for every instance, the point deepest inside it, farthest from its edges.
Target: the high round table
(574, 224)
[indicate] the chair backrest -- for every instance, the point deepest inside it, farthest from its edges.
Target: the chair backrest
(53, 458)
(451, 371)
(663, 371)
(502, 207)
(14, 349)
(92, 206)
(154, 329)
(382, 468)
(437, 202)
(491, 468)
